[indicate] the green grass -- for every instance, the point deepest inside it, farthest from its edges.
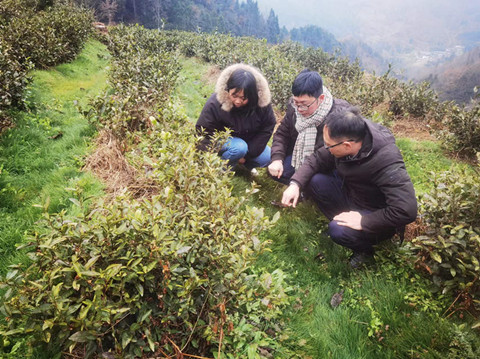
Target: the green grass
(42, 156)
(193, 89)
(388, 310)
(424, 157)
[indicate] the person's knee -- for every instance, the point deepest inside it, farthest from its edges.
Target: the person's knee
(264, 159)
(235, 149)
(336, 232)
(241, 148)
(319, 183)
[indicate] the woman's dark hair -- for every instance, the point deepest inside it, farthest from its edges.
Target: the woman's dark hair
(346, 124)
(308, 83)
(244, 80)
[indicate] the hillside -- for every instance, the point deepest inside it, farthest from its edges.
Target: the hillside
(369, 59)
(187, 258)
(456, 79)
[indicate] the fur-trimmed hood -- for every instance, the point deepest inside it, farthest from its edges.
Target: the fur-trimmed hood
(264, 96)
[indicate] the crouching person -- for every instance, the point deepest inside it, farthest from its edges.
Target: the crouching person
(359, 181)
(242, 104)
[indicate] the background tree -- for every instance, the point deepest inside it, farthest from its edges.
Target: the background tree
(108, 9)
(273, 29)
(315, 36)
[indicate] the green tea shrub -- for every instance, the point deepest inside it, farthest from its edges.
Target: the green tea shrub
(413, 99)
(461, 129)
(13, 77)
(159, 275)
(142, 76)
(47, 37)
(169, 274)
(450, 248)
(36, 38)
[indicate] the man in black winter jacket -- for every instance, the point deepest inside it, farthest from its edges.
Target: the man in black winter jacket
(359, 181)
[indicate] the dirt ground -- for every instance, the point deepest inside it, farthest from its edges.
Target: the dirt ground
(412, 128)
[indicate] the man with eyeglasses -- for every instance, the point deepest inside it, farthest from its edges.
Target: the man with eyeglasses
(359, 181)
(300, 131)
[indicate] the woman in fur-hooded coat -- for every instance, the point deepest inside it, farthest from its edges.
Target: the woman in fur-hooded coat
(242, 104)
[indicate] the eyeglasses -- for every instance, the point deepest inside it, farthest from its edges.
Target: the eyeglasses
(303, 107)
(337, 144)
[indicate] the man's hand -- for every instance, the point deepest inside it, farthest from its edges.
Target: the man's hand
(276, 168)
(290, 195)
(242, 160)
(350, 219)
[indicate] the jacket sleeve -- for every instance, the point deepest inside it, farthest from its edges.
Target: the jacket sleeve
(257, 144)
(284, 135)
(319, 161)
(207, 123)
(401, 203)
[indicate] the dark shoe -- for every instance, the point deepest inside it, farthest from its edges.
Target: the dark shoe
(361, 259)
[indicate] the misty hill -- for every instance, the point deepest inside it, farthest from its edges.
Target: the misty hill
(414, 36)
(456, 79)
(369, 59)
(314, 36)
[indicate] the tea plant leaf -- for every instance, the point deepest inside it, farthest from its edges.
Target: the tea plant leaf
(436, 256)
(81, 337)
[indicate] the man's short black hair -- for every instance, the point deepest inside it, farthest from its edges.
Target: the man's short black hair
(348, 124)
(308, 83)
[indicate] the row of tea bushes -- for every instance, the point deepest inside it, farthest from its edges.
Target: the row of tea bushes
(167, 274)
(31, 38)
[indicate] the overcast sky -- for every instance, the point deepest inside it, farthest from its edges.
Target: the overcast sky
(407, 23)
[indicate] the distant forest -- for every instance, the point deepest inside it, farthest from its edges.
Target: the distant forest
(238, 18)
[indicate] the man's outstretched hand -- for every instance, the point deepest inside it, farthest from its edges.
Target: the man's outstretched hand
(291, 195)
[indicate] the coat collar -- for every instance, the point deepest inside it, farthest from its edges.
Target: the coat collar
(264, 96)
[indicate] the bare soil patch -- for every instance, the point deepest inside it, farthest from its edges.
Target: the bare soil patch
(412, 128)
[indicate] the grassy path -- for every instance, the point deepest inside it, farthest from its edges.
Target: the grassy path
(42, 156)
(388, 311)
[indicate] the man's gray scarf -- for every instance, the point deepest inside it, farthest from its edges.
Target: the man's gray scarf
(307, 129)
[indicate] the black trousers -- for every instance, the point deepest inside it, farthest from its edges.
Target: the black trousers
(326, 190)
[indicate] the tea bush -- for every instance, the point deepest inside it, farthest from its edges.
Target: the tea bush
(142, 76)
(413, 99)
(461, 129)
(13, 77)
(449, 250)
(154, 275)
(47, 37)
(39, 38)
(172, 273)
